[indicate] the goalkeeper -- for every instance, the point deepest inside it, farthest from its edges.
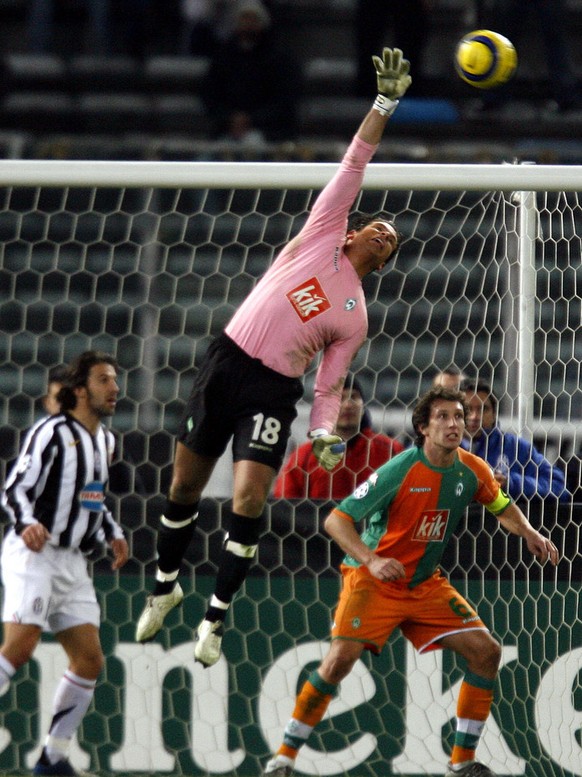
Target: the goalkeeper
(309, 301)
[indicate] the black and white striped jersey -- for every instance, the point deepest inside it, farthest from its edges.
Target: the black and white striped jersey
(59, 480)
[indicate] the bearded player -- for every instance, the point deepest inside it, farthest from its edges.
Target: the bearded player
(390, 576)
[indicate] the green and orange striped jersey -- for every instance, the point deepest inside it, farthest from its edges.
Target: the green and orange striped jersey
(411, 508)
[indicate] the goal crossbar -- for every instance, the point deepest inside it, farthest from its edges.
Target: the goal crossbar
(290, 175)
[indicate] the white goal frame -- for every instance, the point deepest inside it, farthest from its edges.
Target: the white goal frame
(143, 747)
(289, 175)
(523, 180)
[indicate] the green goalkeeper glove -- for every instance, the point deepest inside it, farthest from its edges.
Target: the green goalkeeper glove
(392, 78)
(328, 449)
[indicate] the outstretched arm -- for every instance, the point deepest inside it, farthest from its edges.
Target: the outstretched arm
(393, 79)
(372, 128)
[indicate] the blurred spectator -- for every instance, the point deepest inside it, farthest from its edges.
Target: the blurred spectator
(302, 475)
(390, 23)
(508, 17)
(56, 378)
(132, 26)
(451, 377)
(40, 26)
(520, 469)
(11, 438)
(252, 81)
(241, 132)
(143, 28)
(208, 24)
(135, 28)
(573, 467)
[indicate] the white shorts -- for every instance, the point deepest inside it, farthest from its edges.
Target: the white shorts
(51, 589)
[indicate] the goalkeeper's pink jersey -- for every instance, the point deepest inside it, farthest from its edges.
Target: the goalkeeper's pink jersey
(311, 298)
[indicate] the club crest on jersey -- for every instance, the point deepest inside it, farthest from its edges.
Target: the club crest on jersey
(92, 496)
(361, 490)
(431, 526)
(364, 487)
(309, 300)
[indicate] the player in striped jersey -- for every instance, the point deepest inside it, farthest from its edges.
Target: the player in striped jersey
(391, 578)
(55, 500)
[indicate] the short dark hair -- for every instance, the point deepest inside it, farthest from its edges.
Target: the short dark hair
(57, 374)
(359, 220)
(77, 375)
(480, 386)
(422, 411)
(452, 369)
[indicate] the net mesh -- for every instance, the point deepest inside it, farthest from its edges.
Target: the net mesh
(151, 275)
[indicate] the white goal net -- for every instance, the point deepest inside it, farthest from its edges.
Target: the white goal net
(148, 261)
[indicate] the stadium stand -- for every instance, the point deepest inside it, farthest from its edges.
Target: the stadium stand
(78, 94)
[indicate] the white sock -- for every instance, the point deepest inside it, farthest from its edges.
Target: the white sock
(215, 602)
(282, 760)
(71, 702)
(7, 672)
(458, 767)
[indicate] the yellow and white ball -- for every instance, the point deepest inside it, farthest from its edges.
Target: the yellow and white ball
(485, 59)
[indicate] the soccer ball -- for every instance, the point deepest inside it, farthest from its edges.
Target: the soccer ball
(485, 59)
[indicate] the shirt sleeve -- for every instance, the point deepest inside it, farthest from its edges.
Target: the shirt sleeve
(489, 492)
(111, 528)
(28, 473)
(330, 379)
(333, 202)
(374, 495)
(500, 503)
(538, 477)
(337, 197)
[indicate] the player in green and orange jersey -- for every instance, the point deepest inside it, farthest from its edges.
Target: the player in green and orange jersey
(391, 577)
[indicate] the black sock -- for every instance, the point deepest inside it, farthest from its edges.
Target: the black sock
(232, 566)
(214, 614)
(174, 536)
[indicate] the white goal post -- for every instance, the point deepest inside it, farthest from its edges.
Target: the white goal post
(148, 260)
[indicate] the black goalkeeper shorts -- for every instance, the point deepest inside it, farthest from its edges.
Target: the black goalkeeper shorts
(236, 396)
